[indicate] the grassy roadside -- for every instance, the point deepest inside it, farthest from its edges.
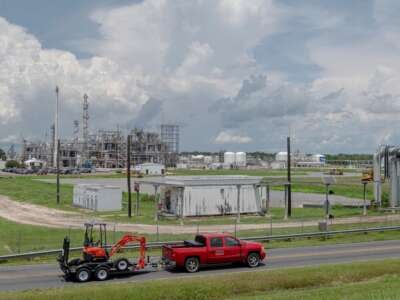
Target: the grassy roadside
(20, 238)
(384, 287)
(341, 280)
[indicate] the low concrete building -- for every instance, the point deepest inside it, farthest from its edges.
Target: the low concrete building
(34, 163)
(97, 197)
(207, 195)
(150, 169)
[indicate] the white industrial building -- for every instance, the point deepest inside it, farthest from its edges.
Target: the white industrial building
(207, 195)
(34, 163)
(97, 197)
(314, 160)
(150, 169)
(299, 160)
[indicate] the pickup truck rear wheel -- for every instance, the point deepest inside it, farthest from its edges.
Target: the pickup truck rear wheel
(192, 264)
(253, 260)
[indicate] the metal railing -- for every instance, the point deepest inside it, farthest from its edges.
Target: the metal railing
(155, 245)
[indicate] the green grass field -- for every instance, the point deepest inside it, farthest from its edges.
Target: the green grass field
(196, 172)
(28, 190)
(25, 189)
(363, 280)
(262, 172)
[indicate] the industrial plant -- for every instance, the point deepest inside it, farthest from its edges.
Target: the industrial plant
(104, 148)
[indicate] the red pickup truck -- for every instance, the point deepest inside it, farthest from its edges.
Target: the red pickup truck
(208, 249)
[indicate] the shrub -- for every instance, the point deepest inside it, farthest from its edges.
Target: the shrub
(12, 164)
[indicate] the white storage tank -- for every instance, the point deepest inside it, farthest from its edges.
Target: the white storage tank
(240, 159)
(281, 156)
(229, 158)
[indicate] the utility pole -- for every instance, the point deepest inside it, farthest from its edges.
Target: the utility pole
(365, 182)
(327, 204)
(56, 149)
(58, 171)
(289, 187)
(128, 175)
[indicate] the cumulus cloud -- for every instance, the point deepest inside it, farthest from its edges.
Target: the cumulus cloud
(228, 137)
(29, 74)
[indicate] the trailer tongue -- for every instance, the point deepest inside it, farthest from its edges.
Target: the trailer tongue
(96, 261)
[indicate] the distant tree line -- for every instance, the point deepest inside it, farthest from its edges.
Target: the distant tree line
(271, 156)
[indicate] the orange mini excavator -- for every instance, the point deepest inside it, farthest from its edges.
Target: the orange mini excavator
(97, 260)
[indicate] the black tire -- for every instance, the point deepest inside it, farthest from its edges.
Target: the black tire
(102, 273)
(253, 260)
(192, 264)
(122, 264)
(83, 275)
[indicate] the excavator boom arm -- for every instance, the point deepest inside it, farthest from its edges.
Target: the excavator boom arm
(126, 239)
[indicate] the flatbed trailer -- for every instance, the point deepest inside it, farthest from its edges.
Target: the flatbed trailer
(98, 260)
(86, 271)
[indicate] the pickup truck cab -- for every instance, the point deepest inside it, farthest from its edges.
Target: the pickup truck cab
(209, 249)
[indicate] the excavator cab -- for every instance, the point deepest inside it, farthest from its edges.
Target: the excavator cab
(95, 242)
(99, 238)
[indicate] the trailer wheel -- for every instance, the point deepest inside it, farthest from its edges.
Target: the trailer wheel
(83, 274)
(102, 273)
(253, 260)
(122, 264)
(192, 264)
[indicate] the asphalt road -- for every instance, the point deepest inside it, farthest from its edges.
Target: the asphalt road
(49, 276)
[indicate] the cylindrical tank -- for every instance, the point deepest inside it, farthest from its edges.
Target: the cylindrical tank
(229, 158)
(240, 159)
(281, 156)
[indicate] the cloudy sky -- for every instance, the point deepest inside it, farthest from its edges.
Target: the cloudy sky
(235, 74)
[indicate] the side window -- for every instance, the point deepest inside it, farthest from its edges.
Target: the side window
(216, 242)
(231, 242)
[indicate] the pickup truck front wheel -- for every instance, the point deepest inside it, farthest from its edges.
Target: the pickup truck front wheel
(192, 264)
(253, 260)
